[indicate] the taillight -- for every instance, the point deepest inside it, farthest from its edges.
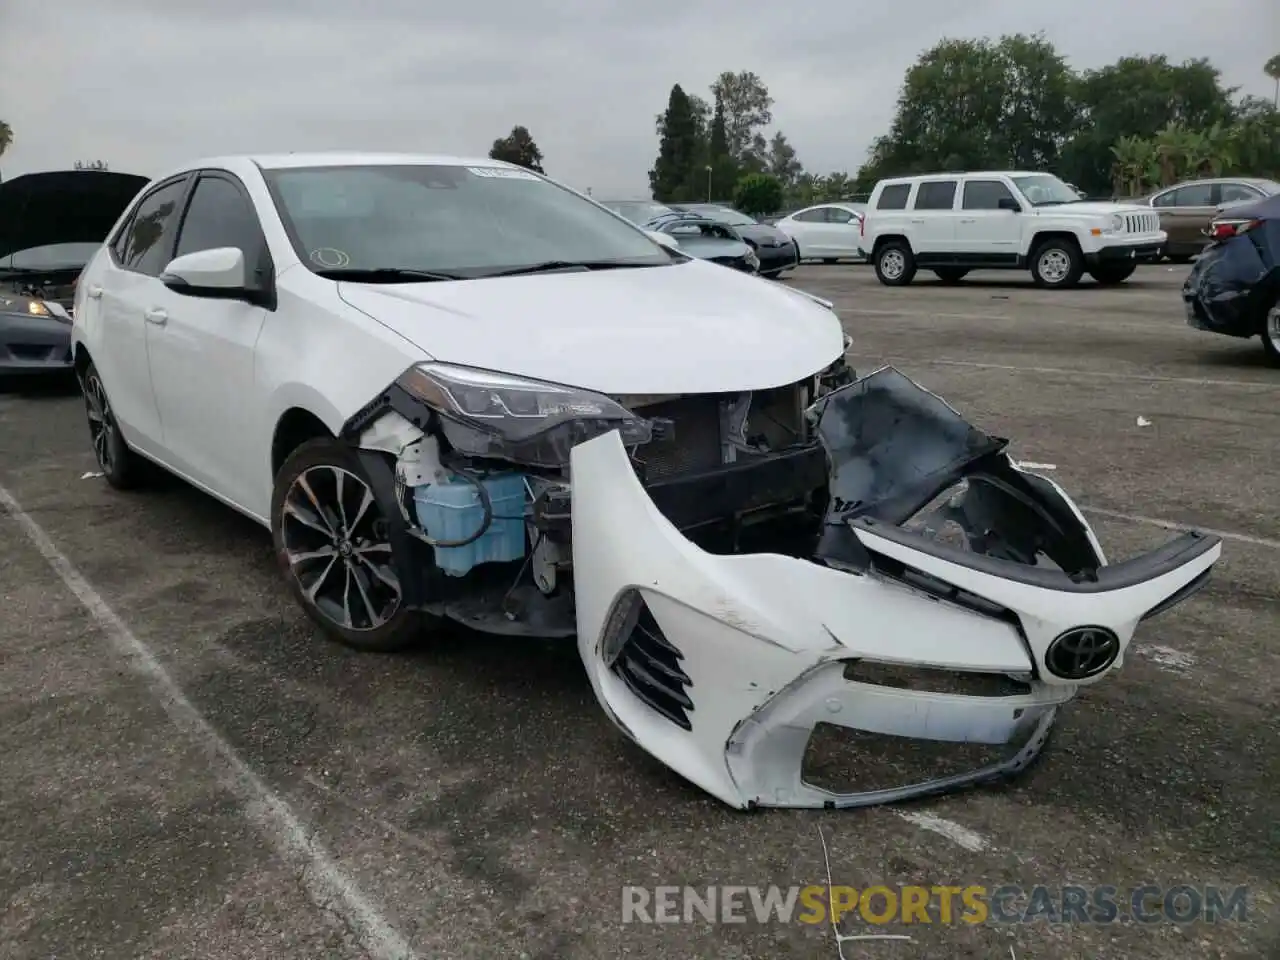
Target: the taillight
(1226, 229)
(862, 226)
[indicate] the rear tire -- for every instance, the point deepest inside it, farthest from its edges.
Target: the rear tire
(1057, 264)
(120, 466)
(333, 546)
(1271, 333)
(895, 264)
(1112, 275)
(951, 274)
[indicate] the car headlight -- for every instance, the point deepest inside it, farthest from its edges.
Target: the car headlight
(1116, 225)
(753, 261)
(484, 413)
(37, 309)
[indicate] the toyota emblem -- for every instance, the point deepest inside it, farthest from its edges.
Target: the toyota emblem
(1082, 652)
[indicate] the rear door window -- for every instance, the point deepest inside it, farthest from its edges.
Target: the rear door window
(936, 195)
(894, 197)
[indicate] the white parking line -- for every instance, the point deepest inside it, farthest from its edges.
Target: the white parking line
(961, 836)
(1063, 371)
(1184, 527)
(328, 885)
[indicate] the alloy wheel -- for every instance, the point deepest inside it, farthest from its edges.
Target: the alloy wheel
(101, 421)
(338, 549)
(1271, 329)
(1054, 266)
(892, 264)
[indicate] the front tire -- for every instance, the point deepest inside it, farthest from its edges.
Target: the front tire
(1112, 275)
(120, 466)
(895, 264)
(1057, 264)
(333, 544)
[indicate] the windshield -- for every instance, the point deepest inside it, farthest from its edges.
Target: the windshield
(1044, 189)
(461, 221)
(725, 215)
(638, 211)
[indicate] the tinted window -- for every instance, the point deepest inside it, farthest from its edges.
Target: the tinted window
(1235, 192)
(150, 234)
(1194, 195)
(936, 195)
(1165, 199)
(219, 215)
(469, 221)
(811, 216)
(836, 215)
(894, 197)
(985, 194)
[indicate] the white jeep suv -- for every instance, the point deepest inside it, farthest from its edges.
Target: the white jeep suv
(954, 223)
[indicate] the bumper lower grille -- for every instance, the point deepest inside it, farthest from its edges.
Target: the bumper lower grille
(694, 444)
(647, 662)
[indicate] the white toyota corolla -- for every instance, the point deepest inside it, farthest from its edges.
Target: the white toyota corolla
(455, 390)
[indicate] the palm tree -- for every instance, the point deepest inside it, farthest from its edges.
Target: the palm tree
(1272, 69)
(6, 137)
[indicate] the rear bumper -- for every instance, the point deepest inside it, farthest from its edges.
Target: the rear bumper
(721, 666)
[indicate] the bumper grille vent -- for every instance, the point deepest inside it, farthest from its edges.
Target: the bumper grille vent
(647, 662)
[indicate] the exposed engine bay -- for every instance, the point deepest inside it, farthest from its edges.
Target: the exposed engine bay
(744, 471)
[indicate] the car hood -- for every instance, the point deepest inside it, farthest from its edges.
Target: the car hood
(65, 206)
(1091, 208)
(704, 247)
(762, 233)
(692, 327)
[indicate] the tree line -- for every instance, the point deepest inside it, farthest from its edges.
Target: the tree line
(1010, 103)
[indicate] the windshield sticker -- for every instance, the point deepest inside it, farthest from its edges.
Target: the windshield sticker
(330, 258)
(501, 173)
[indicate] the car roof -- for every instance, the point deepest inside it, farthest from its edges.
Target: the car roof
(336, 158)
(967, 173)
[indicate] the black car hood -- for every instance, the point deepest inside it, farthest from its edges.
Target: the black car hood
(761, 233)
(65, 206)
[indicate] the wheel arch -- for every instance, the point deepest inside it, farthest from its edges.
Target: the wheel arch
(80, 359)
(886, 238)
(1041, 237)
(294, 427)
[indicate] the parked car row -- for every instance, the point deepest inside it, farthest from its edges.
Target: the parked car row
(1187, 209)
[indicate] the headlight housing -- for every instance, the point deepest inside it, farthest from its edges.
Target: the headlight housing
(37, 309)
(484, 413)
(753, 261)
(1115, 225)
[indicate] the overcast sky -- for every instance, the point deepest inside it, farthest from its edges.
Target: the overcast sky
(144, 84)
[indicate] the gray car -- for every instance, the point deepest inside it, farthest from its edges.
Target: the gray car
(51, 224)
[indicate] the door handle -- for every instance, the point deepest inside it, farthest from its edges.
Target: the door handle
(969, 220)
(157, 316)
(918, 221)
(95, 293)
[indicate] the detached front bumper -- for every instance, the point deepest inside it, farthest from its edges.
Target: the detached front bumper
(721, 666)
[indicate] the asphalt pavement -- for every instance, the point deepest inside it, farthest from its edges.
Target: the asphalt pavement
(188, 771)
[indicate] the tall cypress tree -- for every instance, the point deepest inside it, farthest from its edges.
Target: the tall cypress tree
(724, 172)
(678, 149)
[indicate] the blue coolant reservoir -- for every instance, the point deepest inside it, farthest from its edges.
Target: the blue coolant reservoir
(453, 511)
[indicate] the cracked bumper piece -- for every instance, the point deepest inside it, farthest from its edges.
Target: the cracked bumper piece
(721, 666)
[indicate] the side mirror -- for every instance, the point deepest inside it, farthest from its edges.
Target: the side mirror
(218, 274)
(1008, 203)
(666, 239)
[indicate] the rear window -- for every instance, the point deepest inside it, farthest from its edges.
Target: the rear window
(894, 197)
